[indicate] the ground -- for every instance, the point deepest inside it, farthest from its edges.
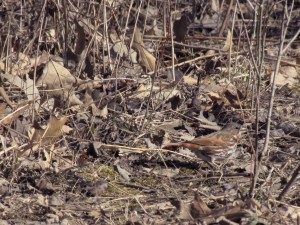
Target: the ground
(93, 93)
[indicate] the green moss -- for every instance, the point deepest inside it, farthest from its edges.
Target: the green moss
(95, 172)
(107, 172)
(188, 171)
(120, 190)
(151, 181)
(90, 172)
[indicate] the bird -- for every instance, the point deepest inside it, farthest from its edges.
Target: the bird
(215, 146)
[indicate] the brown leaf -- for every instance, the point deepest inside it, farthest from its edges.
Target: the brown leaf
(4, 95)
(198, 207)
(146, 59)
(2, 110)
(228, 42)
(59, 82)
(26, 85)
(286, 75)
(14, 115)
(190, 80)
(21, 64)
(51, 133)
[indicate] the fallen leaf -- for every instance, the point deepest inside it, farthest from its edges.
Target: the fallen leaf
(169, 172)
(31, 90)
(286, 75)
(190, 80)
(38, 164)
(21, 64)
(143, 91)
(14, 115)
(104, 112)
(198, 207)
(53, 131)
(228, 42)
(2, 110)
(166, 94)
(59, 82)
(146, 59)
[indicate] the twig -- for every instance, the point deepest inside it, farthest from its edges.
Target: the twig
(260, 157)
(5, 97)
(260, 58)
(226, 18)
(290, 183)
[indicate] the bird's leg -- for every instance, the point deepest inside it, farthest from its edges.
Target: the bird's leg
(206, 159)
(220, 168)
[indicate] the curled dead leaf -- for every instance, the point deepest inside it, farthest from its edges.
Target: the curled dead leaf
(228, 42)
(198, 207)
(146, 59)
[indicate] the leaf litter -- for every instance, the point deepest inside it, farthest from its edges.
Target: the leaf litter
(90, 97)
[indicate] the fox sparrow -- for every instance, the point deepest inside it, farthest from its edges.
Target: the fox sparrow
(217, 145)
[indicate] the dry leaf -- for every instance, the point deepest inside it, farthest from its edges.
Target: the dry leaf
(14, 115)
(59, 82)
(89, 102)
(184, 212)
(286, 75)
(153, 29)
(210, 52)
(48, 156)
(198, 207)
(99, 188)
(228, 42)
(166, 94)
(50, 35)
(19, 64)
(169, 172)
(214, 96)
(215, 7)
(123, 172)
(144, 91)
(210, 21)
(5, 97)
(104, 112)
(34, 164)
(2, 110)
(289, 211)
(53, 131)
(66, 129)
(146, 59)
(31, 91)
(169, 127)
(190, 80)
(119, 47)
